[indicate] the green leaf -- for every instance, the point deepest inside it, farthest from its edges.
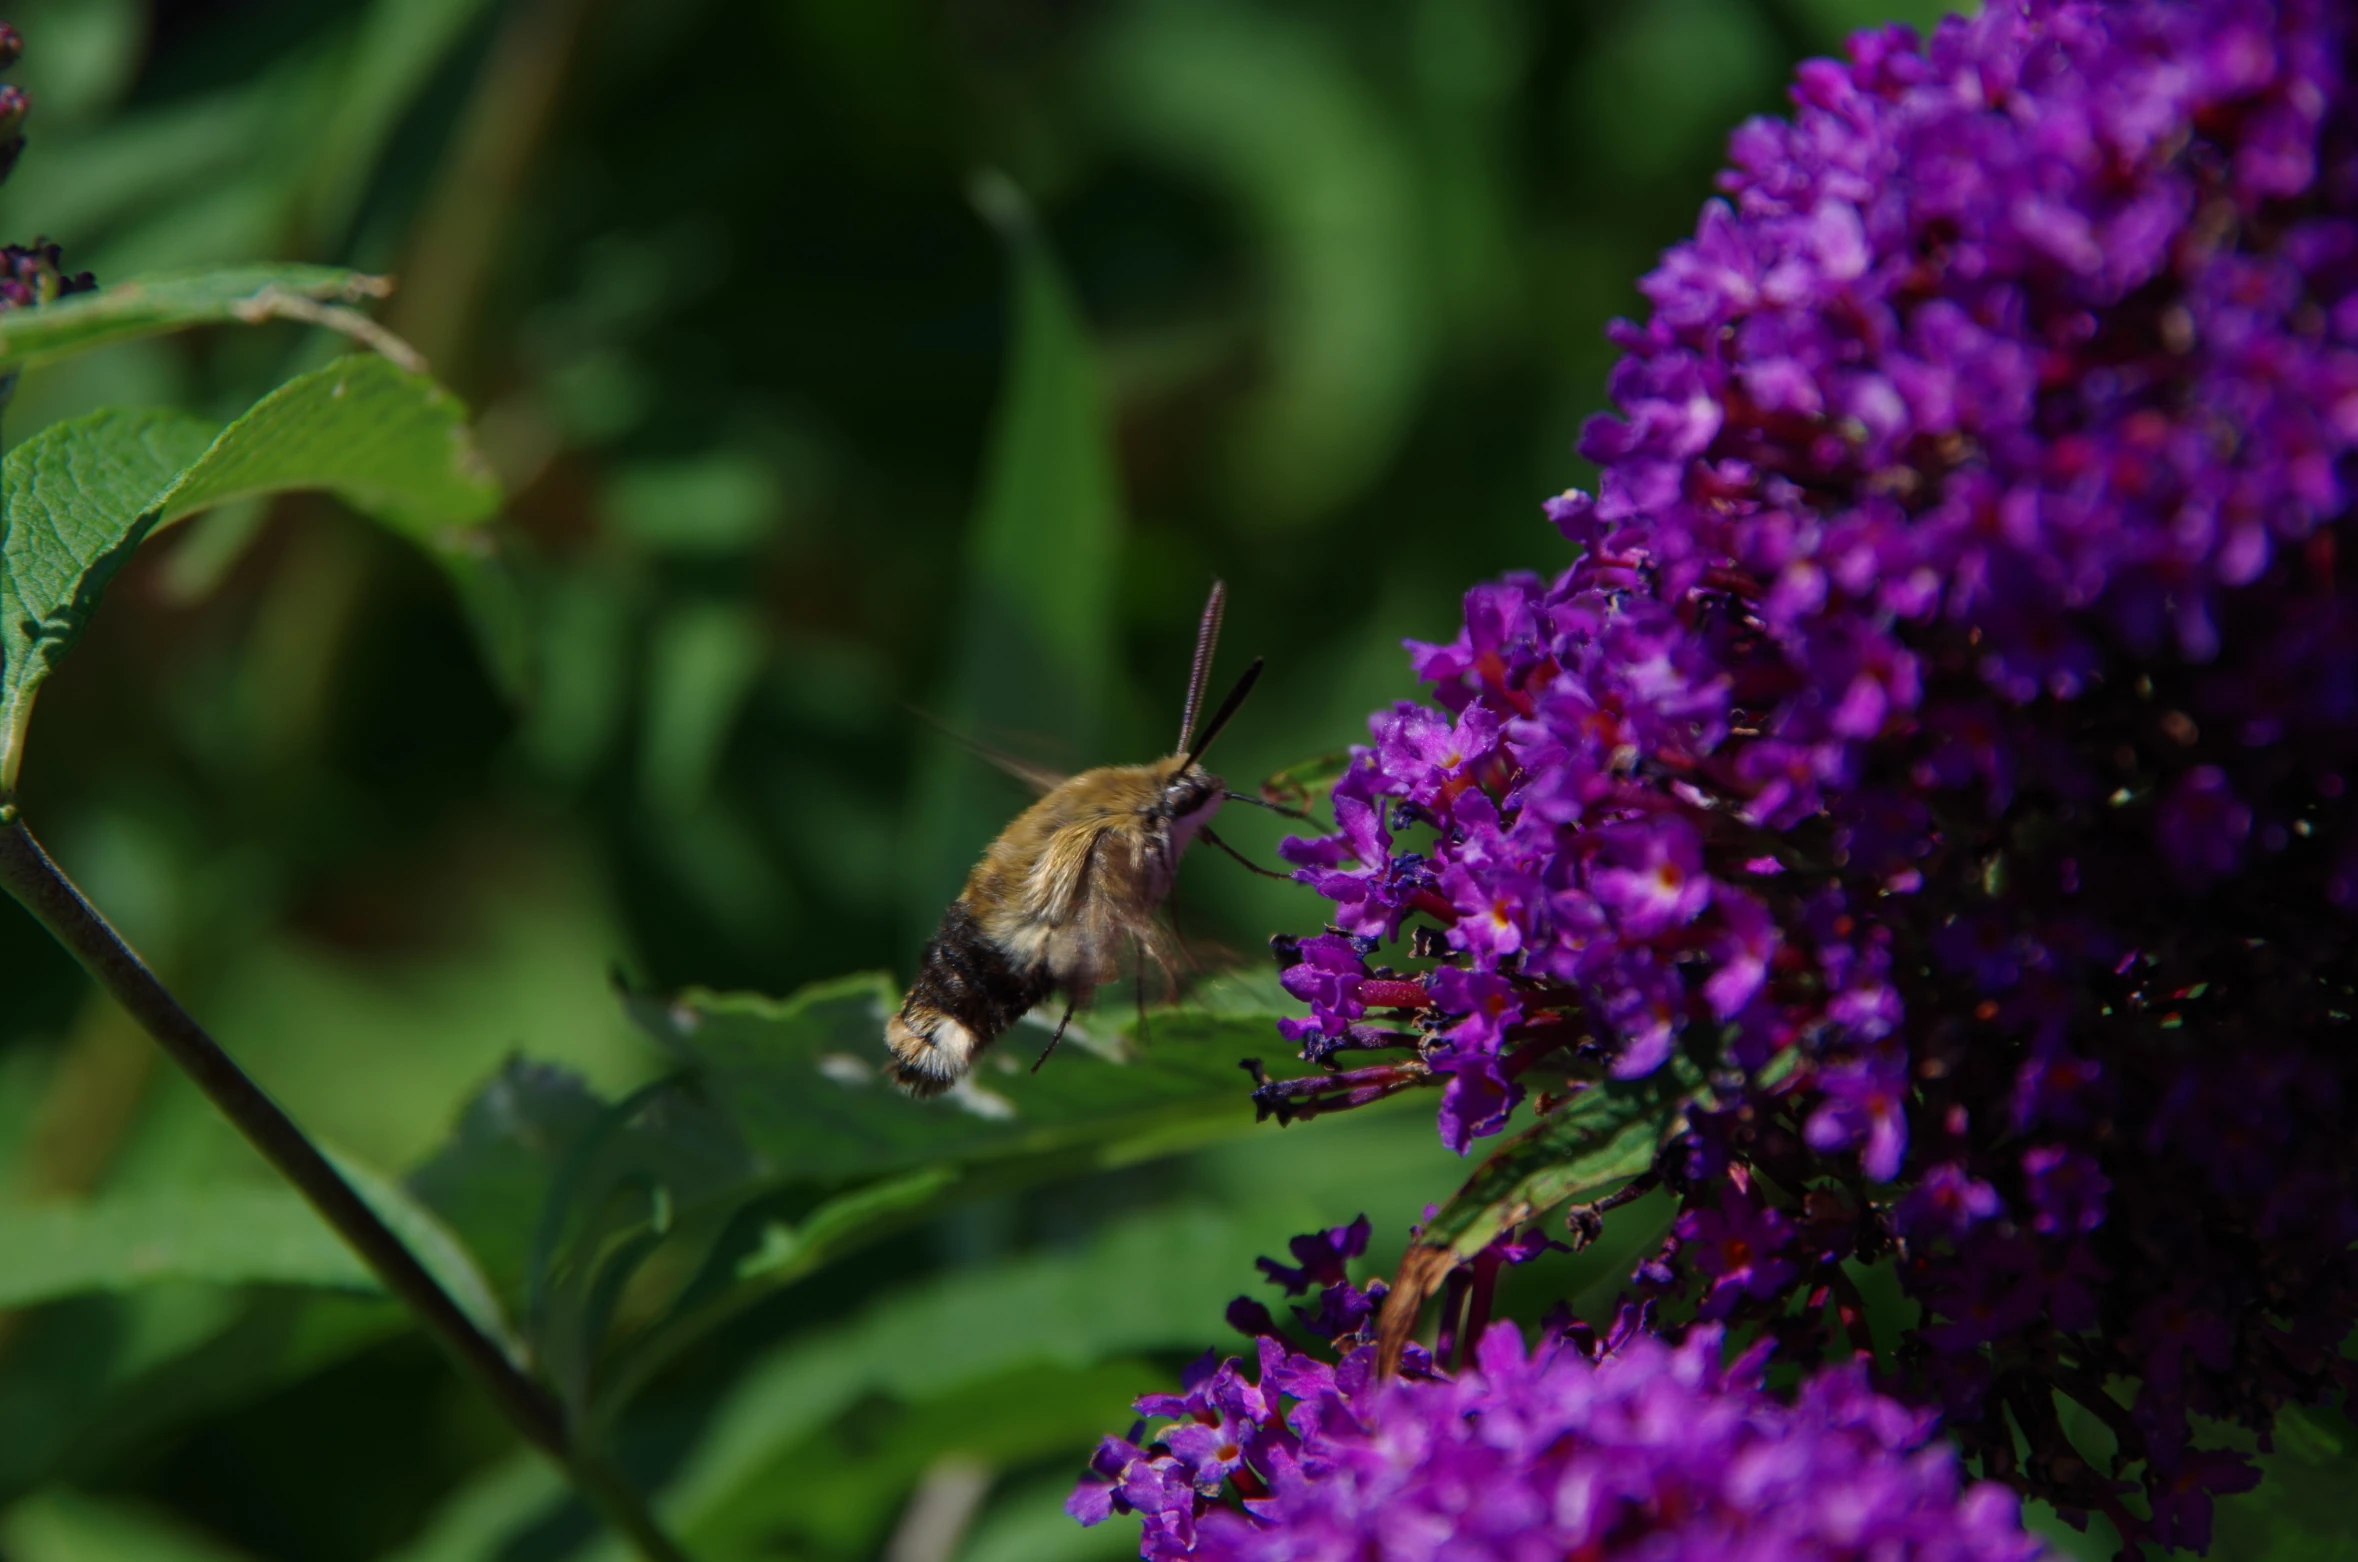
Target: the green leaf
(832, 1496)
(2300, 1512)
(559, 1196)
(719, 505)
(96, 1377)
(1034, 647)
(77, 497)
(702, 665)
(221, 1235)
(642, 1173)
(1606, 1135)
(939, 1338)
(175, 301)
(1029, 1524)
(562, 1196)
(1308, 783)
(66, 1526)
(435, 1246)
(799, 1081)
(386, 440)
(779, 1149)
(792, 1248)
(492, 1183)
(800, 1077)
(1173, 1269)
(475, 1522)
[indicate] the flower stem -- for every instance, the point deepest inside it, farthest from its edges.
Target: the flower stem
(621, 1505)
(36, 882)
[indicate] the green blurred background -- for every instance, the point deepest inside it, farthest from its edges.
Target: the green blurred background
(798, 444)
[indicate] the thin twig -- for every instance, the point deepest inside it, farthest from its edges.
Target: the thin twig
(36, 882)
(275, 303)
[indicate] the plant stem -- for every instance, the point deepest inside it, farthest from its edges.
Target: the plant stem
(37, 883)
(619, 1503)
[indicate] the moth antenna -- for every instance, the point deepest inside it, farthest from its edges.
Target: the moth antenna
(1207, 637)
(1275, 808)
(1267, 873)
(1236, 697)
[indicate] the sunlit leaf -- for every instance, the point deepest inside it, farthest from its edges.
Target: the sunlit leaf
(800, 1078)
(389, 442)
(224, 1235)
(78, 497)
(74, 501)
(173, 301)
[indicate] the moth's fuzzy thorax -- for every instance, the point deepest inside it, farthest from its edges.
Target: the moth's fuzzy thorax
(1056, 901)
(1069, 887)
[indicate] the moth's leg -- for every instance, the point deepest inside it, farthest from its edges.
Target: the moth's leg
(1171, 905)
(1205, 834)
(1138, 983)
(1069, 1004)
(1160, 953)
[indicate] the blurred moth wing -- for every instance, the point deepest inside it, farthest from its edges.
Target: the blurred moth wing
(1074, 879)
(1039, 778)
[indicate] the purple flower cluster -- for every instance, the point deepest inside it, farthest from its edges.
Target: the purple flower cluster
(34, 274)
(1945, 738)
(13, 103)
(1578, 1449)
(30, 274)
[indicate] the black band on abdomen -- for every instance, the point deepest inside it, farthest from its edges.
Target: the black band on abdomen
(967, 977)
